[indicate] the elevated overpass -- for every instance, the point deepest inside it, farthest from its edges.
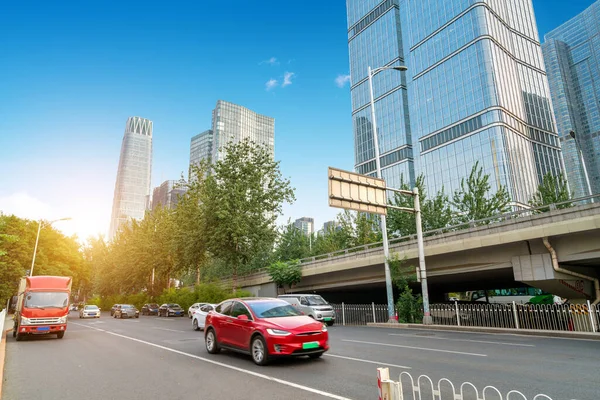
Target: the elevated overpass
(490, 256)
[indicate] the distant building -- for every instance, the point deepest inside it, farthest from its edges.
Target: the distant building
(306, 225)
(167, 194)
(330, 226)
(200, 149)
(232, 123)
(132, 187)
(572, 56)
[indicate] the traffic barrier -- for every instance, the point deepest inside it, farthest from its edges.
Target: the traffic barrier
(2, 318)
(360, 314)
(424, 388)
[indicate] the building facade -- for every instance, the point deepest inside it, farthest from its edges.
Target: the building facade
(132, 187)
(306, 225)
(232, 123)
(572, 55)
(200, 149)
(167, 195)
(476, 91)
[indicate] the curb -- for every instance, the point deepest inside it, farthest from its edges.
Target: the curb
(2, 356)
(507, 331)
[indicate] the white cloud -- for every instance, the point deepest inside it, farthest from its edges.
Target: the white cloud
(25, 206)
(287, 79)
(270, 61)
(341, 80)
(271, 83)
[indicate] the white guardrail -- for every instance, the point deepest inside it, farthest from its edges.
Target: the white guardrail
(2, 318)
(424, 388)
(566, 317)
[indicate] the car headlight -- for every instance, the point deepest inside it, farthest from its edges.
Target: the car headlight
(25, 321)
(62, 320)
(324, 328)
(278, 332)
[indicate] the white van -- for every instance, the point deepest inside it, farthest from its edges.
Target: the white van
(312, 305)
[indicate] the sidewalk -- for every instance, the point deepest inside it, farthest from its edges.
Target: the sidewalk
(507, 331)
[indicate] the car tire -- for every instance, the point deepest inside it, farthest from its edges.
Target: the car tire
(259, 351)
(210, 340)
(19, 337)
(14, 332)
(137, 316)
(315, 356)
(60, 335)
(330, 323)
(195, 324)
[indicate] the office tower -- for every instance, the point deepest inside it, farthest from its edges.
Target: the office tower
(232, 123)
(200, 149)
(476, 87)
(331, 226)
(374, 39)
(132, 187)
(167, 195)
(306, 225)
(572, 55)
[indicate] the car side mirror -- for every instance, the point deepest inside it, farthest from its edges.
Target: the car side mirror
(243, 317)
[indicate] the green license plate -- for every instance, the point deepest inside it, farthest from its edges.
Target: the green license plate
(327, 319)
(310, 345)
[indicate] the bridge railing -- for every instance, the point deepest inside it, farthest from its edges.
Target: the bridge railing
(423, 387)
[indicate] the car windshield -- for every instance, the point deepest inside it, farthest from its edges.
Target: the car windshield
(91, 307)
(173, 305)
(126, 306)
(315, 301)
(153, 305)
(273, 309)
(46, 300)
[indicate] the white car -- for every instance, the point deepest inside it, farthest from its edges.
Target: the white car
(199, 316)
(89, 311)
(194, 307)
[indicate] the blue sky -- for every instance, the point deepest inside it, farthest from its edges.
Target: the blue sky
(72, 72)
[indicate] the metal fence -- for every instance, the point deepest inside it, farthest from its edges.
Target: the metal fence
(567, 317)
(407, 388)
(360, 314)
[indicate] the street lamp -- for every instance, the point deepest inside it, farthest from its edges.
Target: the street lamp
(38, 238)
(386, 249)
(587, 178)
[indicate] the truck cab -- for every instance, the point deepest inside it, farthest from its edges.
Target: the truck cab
(42, 306)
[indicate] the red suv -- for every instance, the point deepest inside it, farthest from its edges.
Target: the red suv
(264, 328)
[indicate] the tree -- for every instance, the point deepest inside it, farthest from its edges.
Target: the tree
(292, 244)
(552, 190)
(473, 200)
(409, 306)
(285, 273)
(242, 198)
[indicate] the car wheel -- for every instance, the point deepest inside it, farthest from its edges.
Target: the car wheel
(15, 329)
(330, 323)
(315, 355)
(19, 337)
(258, 349)
(195, 324)
(212, 346)
(60, 335)
(137, 316)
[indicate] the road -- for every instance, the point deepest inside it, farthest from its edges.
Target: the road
(158, 358)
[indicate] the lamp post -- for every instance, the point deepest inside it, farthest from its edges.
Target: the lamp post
(37, 239)
(585, 172)
(386, 250)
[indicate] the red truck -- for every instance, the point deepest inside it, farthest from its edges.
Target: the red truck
(42, 306)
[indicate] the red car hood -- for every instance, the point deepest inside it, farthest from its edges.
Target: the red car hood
(47, 313)
(301, 323)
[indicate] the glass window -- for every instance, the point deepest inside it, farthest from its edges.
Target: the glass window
(224, 308)
(240, 309)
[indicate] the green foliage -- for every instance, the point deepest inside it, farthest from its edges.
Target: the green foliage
(409, 306)
(473, 201)
(285, 273)
(293, 244)
(552, 190)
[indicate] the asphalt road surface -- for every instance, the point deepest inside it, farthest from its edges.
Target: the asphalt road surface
(163, 358)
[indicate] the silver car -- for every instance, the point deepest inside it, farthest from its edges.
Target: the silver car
(312, 305)
(126, 311)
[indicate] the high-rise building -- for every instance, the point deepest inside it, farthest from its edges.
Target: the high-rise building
(167, 194)
(306, 225)
(132, 187)
(572, 55)
(200, 149)
(232, 123)
(331, 226)
(476, 87)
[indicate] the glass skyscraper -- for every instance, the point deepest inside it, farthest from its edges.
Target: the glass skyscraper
(476, 89)
(200, 149)
(572, 55)
(232, 123)
(132, 188)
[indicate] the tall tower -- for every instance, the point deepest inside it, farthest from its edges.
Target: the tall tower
(572, 55)
(200, 149)
(133, 175)
(232, 123)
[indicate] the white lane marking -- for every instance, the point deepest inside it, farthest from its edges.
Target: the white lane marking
(416, 348)
(511, 334)
(464, 340)
(170, 330)
(244, 371)
(367, 361)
